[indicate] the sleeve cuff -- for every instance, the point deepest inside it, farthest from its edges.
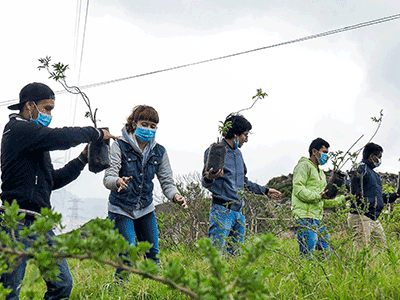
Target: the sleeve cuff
(83, 159)
(266, 191)
(101, 134)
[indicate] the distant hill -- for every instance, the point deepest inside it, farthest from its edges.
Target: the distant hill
(283, 183)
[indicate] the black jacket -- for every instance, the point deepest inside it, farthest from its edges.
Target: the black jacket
(374, 198)
(27, 173)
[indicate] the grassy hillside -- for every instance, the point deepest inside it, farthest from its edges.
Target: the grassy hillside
(345, 274)
(272, 266)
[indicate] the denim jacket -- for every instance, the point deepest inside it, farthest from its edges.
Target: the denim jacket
(227, 186)
(128, 160)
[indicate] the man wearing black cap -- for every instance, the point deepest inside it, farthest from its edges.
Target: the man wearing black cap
(28, 176)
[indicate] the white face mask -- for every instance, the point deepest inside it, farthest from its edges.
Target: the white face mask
(378, 163)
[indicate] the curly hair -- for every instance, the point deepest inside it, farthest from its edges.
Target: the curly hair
(239, 126)
(141, 113)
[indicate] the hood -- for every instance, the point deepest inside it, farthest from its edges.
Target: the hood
(131, 140)
(303, 159)
(17, 117)
(307, 160)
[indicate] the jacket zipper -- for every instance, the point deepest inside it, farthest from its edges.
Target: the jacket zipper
(33, 189)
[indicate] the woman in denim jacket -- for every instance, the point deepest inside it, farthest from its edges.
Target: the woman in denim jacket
(134, 161)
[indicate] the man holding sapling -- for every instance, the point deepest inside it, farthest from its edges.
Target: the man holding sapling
(226, 218)
(28, 176)
(366, 208)
(309, 198)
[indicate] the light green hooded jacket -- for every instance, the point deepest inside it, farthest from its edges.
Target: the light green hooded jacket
(308, 183)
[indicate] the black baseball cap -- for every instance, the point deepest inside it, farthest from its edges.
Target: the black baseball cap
(35, 91)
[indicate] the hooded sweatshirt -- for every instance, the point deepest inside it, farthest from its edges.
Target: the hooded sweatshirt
(128, 160)
(309, 182)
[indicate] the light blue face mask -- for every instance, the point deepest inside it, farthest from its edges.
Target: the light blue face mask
(42, 119)
(235, 144)
(323, 159)
(145, 134)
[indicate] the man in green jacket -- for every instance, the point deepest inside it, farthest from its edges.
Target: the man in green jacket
(309, 198)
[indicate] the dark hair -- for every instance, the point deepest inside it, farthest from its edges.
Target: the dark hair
(371, 148)
(317, 144)
(141, 113)
(239, 126)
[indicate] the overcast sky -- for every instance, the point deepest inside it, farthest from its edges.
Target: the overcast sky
(328, 87)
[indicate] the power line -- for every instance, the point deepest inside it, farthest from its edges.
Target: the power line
(83, 40)
(310, 37)
(75, 54)
(74, 103)
(77, 25)
(81, 57)
(72, 106)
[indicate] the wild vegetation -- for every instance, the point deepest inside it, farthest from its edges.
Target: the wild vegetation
(269, 266)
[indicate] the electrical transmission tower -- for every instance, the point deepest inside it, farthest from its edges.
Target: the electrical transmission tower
(74, 208)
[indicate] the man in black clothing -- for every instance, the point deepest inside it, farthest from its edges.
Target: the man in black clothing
(28, 176)
(364, 213)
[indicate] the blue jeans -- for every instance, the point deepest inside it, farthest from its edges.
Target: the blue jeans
(145, 228)
(226, 224)
(55, 289)
(311, 237)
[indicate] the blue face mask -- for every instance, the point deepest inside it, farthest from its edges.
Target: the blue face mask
(235, 144)
(323, 159)
(145, 134)
(42, 119)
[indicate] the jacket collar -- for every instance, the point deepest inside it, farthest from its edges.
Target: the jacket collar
(368, 163)
(17, 117)
(229, 146)
(131, 140)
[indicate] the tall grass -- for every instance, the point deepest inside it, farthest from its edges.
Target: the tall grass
(345, 273)
(350, 275)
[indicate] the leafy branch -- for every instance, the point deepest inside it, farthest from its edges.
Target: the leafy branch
(98, 241)
(338, 159)
(144, 274)
(260, 95)
(57, 72)
(223, 128)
